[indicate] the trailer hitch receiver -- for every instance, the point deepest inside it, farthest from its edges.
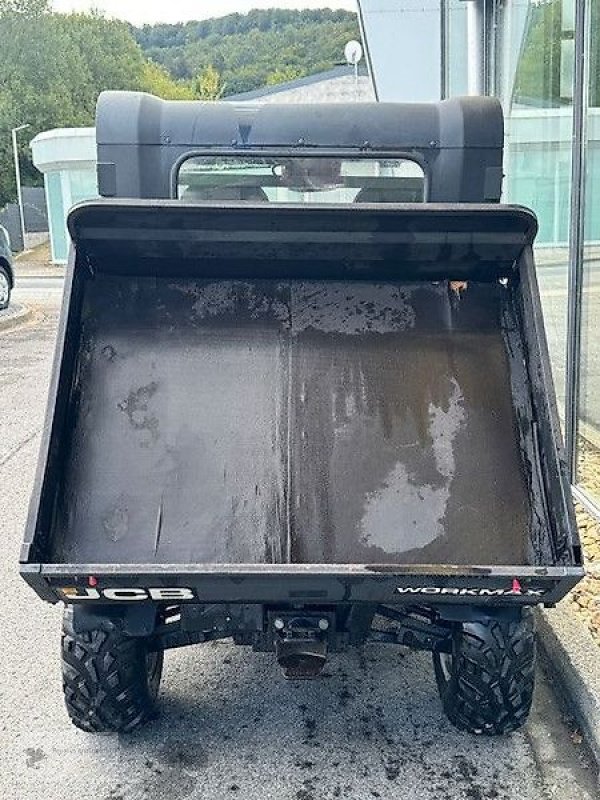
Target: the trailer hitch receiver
(300, 643)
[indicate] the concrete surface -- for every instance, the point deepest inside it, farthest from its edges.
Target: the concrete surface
(36, 239)
(230, 726)
(13, 315)
(574, 658)
(40, 288)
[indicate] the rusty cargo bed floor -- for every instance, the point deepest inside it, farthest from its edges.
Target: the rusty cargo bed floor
(292, 422)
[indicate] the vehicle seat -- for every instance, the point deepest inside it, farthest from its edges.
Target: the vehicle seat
(218, 194)
(407, 194)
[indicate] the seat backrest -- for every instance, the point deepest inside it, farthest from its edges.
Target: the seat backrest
(235, 194)
(411, 192)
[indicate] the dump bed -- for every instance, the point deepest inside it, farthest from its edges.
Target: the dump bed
(357, 400)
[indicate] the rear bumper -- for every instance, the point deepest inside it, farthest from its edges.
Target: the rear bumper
(301, 584)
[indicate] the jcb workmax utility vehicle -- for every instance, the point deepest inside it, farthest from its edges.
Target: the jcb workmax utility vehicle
(302, 399)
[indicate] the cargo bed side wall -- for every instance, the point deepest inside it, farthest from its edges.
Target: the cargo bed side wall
(57, 421)
(545, 432)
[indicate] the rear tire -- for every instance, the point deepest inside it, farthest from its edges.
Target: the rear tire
(110, 680)
(486, 683)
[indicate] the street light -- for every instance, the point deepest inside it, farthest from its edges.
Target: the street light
(14, 132)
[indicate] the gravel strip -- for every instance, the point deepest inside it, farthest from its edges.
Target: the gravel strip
(585, 598)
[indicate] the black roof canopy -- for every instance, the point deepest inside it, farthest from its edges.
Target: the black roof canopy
(142, 139)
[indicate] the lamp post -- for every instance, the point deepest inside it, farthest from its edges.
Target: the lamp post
(14, 132)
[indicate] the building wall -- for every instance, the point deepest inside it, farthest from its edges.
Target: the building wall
(67, 159)
(337, 90)
(405, 49)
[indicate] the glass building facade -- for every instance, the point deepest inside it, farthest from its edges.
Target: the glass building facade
(541, 58)
(587, 461)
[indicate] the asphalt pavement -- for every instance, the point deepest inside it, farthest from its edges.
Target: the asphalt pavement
(230, 726)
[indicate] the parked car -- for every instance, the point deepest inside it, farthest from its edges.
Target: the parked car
(6, 270)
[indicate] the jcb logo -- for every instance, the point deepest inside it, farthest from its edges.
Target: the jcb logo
(75, 594)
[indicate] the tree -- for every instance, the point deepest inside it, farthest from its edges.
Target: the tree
(249, 50)
(53, 66)
(52, 69)
(29, 8)
(537, 79)
(208, 85)
(283, 75)
(156, 80)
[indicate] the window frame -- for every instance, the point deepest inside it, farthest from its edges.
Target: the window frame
(304, 152)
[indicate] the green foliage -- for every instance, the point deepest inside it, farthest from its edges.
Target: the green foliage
(272, 19)
(53, 66)
(29, 8)
(283, 75)
(156, 80)
(538, 71)
(208, 85)
(594, 95)
(251, 50)
(538, 76)
(52, 69)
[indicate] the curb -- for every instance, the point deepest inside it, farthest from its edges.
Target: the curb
(38, 276)
(573, 660)
(11, 320)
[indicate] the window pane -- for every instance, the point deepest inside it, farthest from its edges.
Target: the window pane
(56, 216)
(534, 77)
(457, 65)
(589, 403)
(84, 185)
(278, 179)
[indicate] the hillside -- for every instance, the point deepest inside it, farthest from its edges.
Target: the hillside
(76, 56)
(251, 50)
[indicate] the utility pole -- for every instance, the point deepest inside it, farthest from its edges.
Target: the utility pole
(14, 132)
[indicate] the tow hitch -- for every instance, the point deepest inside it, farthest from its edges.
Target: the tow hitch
(301, 643)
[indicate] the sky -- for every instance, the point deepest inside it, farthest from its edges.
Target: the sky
(140, 11)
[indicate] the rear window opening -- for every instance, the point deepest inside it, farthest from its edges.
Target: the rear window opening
(285, 179)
